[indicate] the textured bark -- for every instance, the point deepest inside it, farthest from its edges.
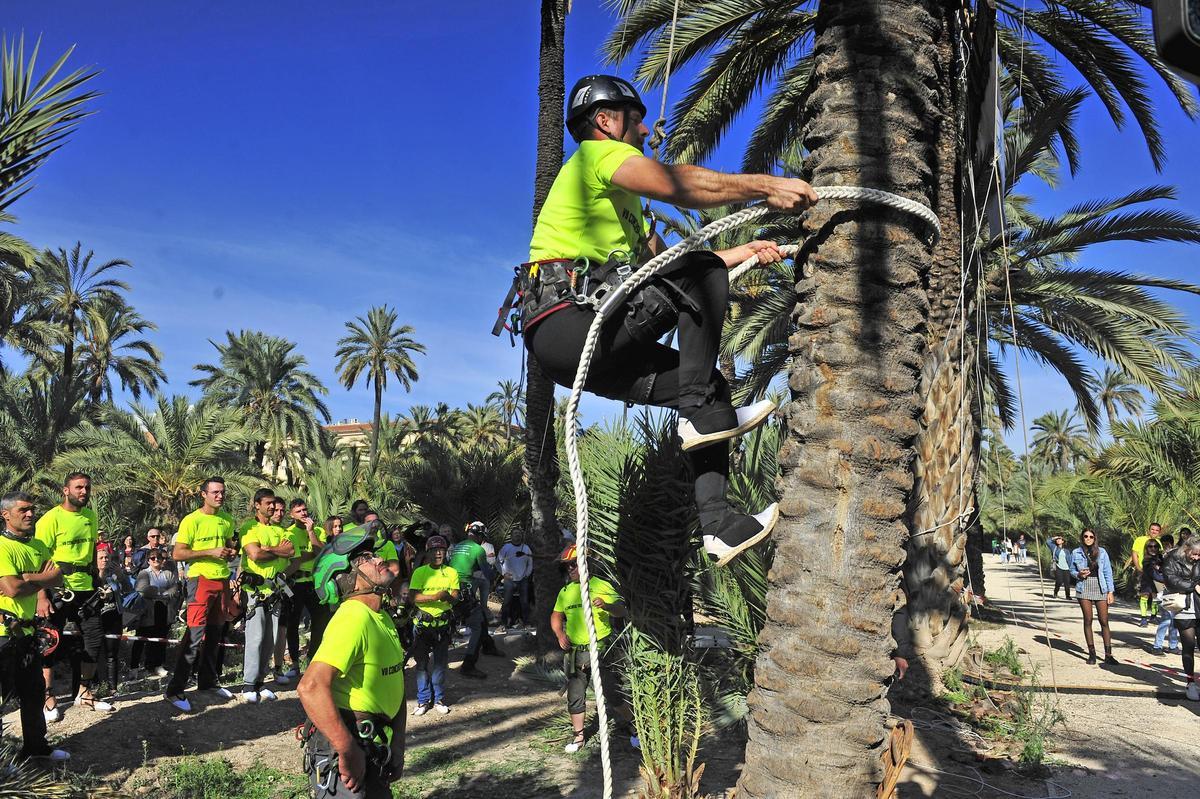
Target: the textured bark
(541, 450)
(818, 709)
(946, 462)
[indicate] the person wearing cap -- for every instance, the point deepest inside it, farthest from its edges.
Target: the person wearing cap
(353, 688)
(589, 235)
(569, 623)
(432, 590)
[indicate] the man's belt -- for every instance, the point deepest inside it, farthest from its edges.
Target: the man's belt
(426, 619)
(73, 568)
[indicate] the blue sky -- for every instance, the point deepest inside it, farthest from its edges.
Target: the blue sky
(285, 166)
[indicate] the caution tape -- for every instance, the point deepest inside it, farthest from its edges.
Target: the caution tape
(113, 636)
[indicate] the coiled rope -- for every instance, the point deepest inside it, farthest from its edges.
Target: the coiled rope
(604, 309)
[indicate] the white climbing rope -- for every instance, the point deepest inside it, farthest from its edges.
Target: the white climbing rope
(604, 309)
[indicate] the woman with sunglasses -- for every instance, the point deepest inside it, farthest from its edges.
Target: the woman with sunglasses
(1091, 567)
(160, 586)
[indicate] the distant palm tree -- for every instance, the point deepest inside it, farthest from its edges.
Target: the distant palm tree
(481, 426)
(375, 347)
(105, 349)
(1059, 441)
(261, 377)
(162, 453)
(509, 400)
(1118, 393)
(23, 322)
(34, 415)
(74, 288)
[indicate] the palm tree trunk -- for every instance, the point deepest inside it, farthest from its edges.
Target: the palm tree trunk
(541, 446)
(375, 425)
(947, 451)
(818, 707)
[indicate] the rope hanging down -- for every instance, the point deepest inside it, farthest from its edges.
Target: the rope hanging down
(604, 309)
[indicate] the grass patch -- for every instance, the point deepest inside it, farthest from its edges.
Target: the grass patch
(1006, 656)
(194, 777)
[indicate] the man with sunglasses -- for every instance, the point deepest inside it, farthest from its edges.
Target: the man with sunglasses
(155, 540)
(205, 543)
(433, 589)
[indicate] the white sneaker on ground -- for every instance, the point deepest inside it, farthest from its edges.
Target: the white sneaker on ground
(1193, 692)
(159, 672)
(222, 692)
(440, 708)
(748, 418)
(575, 745)
(502, 630)
(421, 710)
(179, 701)
(98, 705)
(267, 695)
(52, 714)
(748, 531)
(59, 756)
(250, 696)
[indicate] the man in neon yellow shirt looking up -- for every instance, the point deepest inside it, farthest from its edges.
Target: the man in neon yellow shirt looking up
(590, 235)
(433, 589)
(266, 552)
(69, 533)
(353, 690)
(569, 622)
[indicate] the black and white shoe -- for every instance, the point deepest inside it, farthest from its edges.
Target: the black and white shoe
(695, 433)
(741, 533)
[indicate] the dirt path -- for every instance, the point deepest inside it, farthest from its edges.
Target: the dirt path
(504, 735)
(1130, 732)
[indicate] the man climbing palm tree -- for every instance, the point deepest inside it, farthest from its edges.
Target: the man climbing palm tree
(590, 232)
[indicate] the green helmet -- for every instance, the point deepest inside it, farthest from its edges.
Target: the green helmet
(335, 559)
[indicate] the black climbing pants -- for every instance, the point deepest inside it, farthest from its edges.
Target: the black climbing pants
(21, 680)
(649, 372)
(84, 645)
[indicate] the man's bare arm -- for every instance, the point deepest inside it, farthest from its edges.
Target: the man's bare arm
(697, 187)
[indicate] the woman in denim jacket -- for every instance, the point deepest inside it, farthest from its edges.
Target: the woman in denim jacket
(1092, 569)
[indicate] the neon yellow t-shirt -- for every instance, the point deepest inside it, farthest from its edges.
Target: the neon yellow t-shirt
(387, 551)
(200, 530)
(428, 580)
(17, 558)
(363, 646)
(70, 538)
(570, 603)
(584, 213)
(1139, 549)
(265, 535)
(299, 538)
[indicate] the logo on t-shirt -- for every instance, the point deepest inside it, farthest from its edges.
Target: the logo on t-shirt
(390, 670)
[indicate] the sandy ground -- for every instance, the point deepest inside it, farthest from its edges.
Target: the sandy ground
(504, 734)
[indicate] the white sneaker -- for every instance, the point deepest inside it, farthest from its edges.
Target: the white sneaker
(179, 701)
(98, 705)
(250, 696)
(59, 756)
(267, 695)
(421, 710)
(440, 708)
(575, 745)
(222, 692)
(748, 418)
(1193, 692)
(160, 672)
(725, 552)
(282, 678)
(502, 630)
(52, 714)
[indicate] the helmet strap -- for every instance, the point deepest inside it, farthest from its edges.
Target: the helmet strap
(376, 588)
(624, 125)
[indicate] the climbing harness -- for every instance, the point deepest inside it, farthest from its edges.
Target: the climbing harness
(44, 636)
(321, 761)
(605, 307)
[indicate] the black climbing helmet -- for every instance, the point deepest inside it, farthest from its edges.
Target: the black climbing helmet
(592, 91)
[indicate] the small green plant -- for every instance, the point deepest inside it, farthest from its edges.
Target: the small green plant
(953, 679)
(194, 777)
(1006, 656)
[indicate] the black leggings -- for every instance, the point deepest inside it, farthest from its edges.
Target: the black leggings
(648, 372)
(1187, 640)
